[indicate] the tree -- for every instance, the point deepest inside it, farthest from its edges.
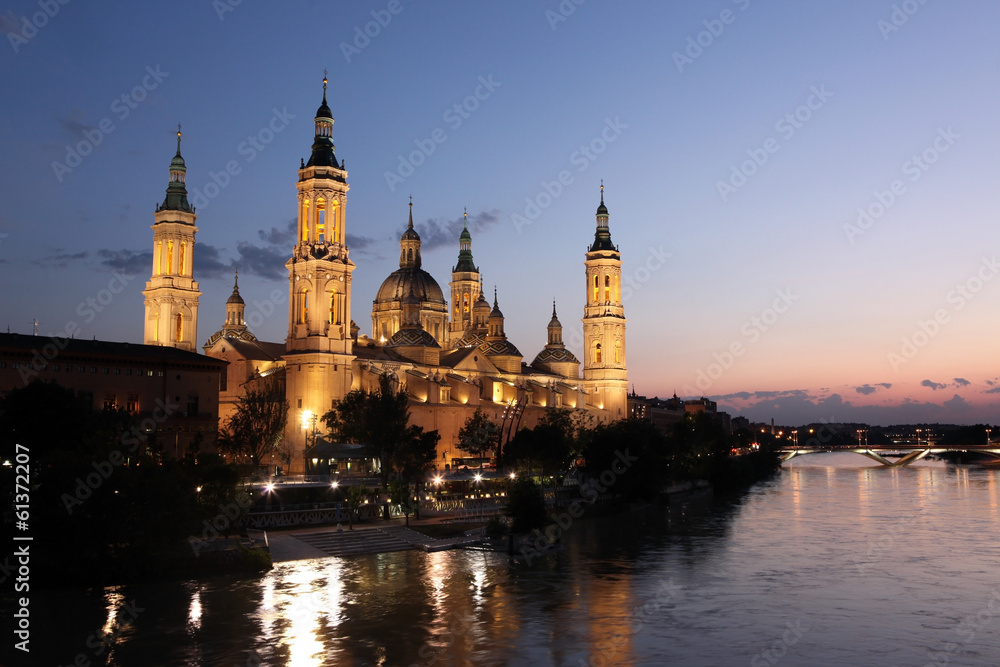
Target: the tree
(355, 496)
(256, 427)
(378, 419)
(479, 436)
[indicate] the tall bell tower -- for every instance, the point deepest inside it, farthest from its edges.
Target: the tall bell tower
(604, 370)
(171, 294)
(319, 345)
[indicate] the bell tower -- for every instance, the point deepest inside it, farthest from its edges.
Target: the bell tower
(171, 294)
(318, 349)
(604, 370)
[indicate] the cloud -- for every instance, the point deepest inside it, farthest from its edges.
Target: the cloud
(867, 389)
(359, 242)
(279, 236)
(993, 390)
(72, 122)
(60, 258)
(933, 385)
(208, 262)
(957, 404)
(264, 261)
(436, 233)
(962, 382)
(129, 262)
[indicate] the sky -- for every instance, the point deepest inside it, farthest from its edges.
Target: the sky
(804, 194)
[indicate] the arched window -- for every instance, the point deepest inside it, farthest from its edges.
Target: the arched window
(618, 352)
(183, 258)
(321, 220)
(170, 256)
(304, 222)
(597, 353)
(607, 287)
(465, 303)
(156, 258)
(409, 254)
(334, 308)
(179, 334)
(618, 288)
(597, 287)
(303, 306)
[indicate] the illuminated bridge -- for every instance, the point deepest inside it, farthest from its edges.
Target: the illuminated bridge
(908, 453)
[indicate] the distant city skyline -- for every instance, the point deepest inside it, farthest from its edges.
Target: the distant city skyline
(804, 196)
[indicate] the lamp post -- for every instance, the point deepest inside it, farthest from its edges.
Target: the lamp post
(988, 436)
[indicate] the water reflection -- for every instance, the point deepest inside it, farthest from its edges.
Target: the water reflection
(882, 564)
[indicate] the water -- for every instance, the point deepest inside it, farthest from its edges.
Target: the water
(833, 562)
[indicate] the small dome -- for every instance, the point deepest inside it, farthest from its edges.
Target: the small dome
(410, 235)
(401, 281)
(470, 340)
(481, 305)
(177, 164)
(236, 298)
(412, 338)
(496, 348)
(555, 354)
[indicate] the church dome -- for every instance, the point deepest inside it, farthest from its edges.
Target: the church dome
(494, 348)
(556, 354)
(399, 283)
(412, 338)
(470, 339)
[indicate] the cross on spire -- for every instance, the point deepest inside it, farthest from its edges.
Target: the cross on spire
(178, 138)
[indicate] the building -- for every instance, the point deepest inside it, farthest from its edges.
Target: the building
(448, 361)
(171, 392)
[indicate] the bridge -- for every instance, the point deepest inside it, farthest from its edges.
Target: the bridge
(909, 452)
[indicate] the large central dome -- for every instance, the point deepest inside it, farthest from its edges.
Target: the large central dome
(409, 278)
(401, 281)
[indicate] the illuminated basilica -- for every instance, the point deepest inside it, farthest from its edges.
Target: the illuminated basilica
(449, 359)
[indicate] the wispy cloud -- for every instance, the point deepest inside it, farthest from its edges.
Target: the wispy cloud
(60, 258)
(435, 233)
(934, 386)
(129, 262)
(868, 389)
(962, 382)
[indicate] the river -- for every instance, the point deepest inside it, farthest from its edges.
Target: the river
(832, 562)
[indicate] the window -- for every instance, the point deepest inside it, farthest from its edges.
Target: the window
(321, 220)
(607, 287)
(15, 364)
(618, 352)
(156, 258)
(597, 353)
(128, 371)
(110, 401)
(303, 306)
(118, 371)
(179, 335)
(183, 258)
(304, 222)
(55, 367)
(104, 371)
(465, 303)
(597, 287)
(192, 406)
(149, 373)
(93, 369)
(224, 380)
(132, 403)
(170, 256)
(81, 369)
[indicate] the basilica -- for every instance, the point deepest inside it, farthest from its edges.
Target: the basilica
(450, 356)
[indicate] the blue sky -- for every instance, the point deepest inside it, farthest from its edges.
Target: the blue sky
(739, 143)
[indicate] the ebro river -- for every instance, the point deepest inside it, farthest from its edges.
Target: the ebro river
(831, 562)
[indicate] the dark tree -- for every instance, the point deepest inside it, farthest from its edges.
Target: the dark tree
(256, 428)
(479, 436)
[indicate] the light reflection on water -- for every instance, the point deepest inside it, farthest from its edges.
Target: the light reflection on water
(833, 562)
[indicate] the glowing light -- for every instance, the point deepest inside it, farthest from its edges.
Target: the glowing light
(334, 485)
(512, 475)
(479, 477)
(269, 487)
(437, 480)
(306, 418)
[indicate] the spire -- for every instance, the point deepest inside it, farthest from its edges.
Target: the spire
(465, 263)
(554, 329)
(322, 148)
(409, 245)
(235, 297)
(176, 199)
(602, 237)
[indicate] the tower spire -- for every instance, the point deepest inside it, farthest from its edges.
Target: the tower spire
(178, 138)
(410, 224)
